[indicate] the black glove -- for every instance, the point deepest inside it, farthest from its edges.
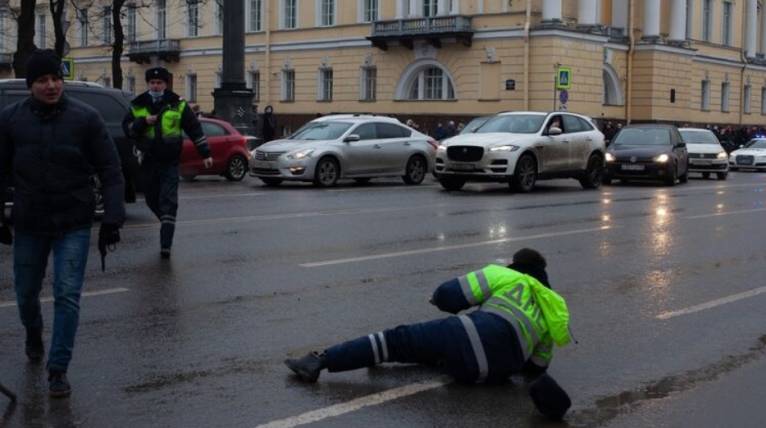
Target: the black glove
(6, 236)
(108, 236)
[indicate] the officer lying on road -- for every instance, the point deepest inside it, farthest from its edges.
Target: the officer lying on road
(513, 331)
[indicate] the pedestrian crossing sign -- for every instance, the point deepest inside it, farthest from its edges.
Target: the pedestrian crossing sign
(564, 78)
(67, 68)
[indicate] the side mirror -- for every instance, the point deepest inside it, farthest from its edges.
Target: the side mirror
(554, 130)
(680, 145)
(351, 138)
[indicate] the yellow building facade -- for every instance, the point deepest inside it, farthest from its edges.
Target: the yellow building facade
(697, 61)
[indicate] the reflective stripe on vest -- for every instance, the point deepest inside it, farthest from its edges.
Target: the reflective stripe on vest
(475, 287)
(476, 346)
(170, 123)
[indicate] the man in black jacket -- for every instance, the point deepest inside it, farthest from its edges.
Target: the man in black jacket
(50, 147)
(156, 121)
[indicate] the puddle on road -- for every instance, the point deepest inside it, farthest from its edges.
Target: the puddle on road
(607, 408)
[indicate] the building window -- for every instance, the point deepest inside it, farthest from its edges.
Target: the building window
(325, 84)
(218, 16)
(161, 20)
(369, 83)
(746, 101)
(369, 10)
(191, 88)
(426, 83)
(107, 25)
(2, 31)
(326, 9)
(612, 87)
(707, 19)
(82, 18)
(726, 30)
(130, 84)
(705, 95)
(725, 96)
(41, 36)
(430, 7)
(192, 19)
(132, 23)
(255, 15)
(763, 100)
(253, 79)
(288, 85)
(289, 13)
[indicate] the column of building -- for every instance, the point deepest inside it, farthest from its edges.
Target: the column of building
(651, 27)
(763, 30)
(751, 29)
(551, 10)
(678, 21)
(587, 11)
(620, 15)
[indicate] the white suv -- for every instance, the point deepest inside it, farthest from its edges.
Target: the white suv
(522, 147)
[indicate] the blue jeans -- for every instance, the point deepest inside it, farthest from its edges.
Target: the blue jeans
(30, 258)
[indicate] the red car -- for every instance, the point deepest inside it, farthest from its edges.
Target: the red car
(227, 146)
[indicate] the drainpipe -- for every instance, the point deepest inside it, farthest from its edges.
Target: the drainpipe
(526, 54)
(743, 58)
(631, 51)
(267, 93)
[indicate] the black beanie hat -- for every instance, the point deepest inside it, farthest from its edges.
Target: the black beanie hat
(161, 73)
(42, 62)
(549, 398)
(532, 263)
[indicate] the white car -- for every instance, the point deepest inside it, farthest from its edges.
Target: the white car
(346, 146)
(750, 156)
(521, 147)
(706, 155)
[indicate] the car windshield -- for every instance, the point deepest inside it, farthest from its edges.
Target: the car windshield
(699, 137)
(321, 131)
(513, 123)
(643, 137)
(475, 124)
(756, 144)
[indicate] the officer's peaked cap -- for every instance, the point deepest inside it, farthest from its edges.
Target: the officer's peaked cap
(161, 73)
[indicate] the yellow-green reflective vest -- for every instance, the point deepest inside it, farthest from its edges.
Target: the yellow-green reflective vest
(170, 120)
(539, 315)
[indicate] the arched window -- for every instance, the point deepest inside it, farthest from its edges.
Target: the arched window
(612, 87)
(426, 80)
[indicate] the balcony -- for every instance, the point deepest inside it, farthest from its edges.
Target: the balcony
(433, 29)
(166, 49)
(6, 61)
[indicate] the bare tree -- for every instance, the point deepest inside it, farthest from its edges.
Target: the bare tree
(118, 42)
(25, 41)
(57, 12)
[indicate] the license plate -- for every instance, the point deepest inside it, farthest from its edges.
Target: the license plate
(631, 167)
(463, 166)
(701, 162)
(264, 164)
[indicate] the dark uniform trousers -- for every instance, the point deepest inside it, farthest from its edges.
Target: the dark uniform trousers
(160, 183)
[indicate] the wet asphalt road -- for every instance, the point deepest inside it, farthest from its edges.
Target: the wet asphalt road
(258, 274)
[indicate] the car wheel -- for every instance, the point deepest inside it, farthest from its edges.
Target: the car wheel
(327, 172)
(525, 175)
(594, 173)
(236, 168)
(452, 183)
(684, 178)
(705, 175)
(671, 179)
(362, 180)
(721, 175)
(271, 182)
(605, 179)
(415, 171)
(188, 177)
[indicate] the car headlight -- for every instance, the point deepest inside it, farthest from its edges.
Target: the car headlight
(722, 155)
(610, 157)
(663, 158)
(504, 148)
(300, 154)
(441, 149)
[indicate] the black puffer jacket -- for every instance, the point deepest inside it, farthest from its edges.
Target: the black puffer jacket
(49, 154)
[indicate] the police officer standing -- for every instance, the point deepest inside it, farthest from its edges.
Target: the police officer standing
(156, 121)
(518, 321)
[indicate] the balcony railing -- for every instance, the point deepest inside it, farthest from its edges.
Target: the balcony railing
(433, 29)
(165, 49)
(6, 60)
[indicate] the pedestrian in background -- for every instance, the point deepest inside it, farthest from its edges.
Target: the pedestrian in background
(50, 145)
(156, 121)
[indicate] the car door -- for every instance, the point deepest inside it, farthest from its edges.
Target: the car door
(360, 155)
(579, 142)
(680, 151)
(396, 146)
(553, 150)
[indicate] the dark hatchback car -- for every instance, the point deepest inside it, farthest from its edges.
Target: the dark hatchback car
(647, 152)
(113, 104)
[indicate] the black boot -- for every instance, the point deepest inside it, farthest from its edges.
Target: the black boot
(58, 385)
(308, 367)
(34, 345)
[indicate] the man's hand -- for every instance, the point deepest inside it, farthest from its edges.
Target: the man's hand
(151, 120)
(109, 234)
(208, 162)
(6, 236)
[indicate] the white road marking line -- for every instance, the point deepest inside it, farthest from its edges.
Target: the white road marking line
(86, 294)
(712, 304)
(216, 195)
(452, 247)
(356, 404)
(723, 213)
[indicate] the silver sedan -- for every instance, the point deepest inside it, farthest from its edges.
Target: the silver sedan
(346, 146)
